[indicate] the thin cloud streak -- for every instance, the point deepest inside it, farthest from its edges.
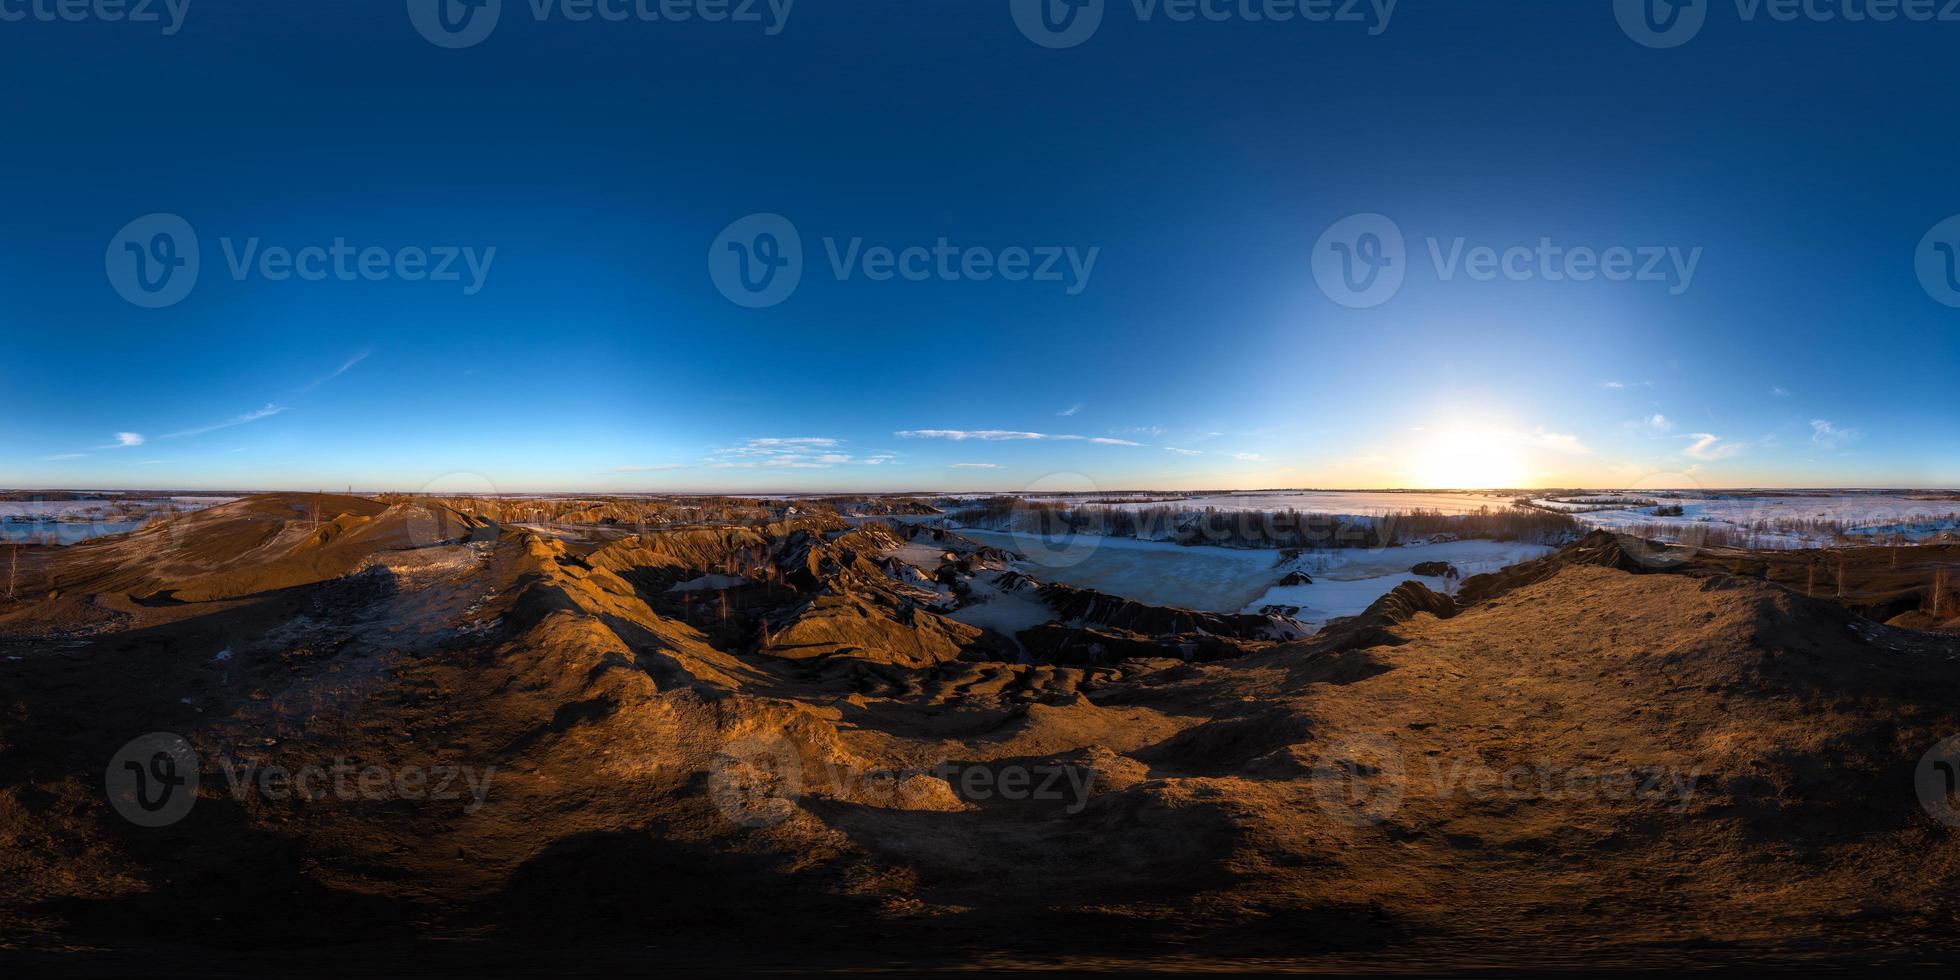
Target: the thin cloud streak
(343, 369)
(264, 413)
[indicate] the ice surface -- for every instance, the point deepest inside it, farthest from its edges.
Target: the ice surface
(1213, 579)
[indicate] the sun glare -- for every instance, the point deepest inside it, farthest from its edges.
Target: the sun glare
(1468, 461)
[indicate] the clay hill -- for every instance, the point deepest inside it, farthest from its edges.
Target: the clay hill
(790, 743)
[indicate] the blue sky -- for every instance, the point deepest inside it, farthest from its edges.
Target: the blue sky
(1800, 165)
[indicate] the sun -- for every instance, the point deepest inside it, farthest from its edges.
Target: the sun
(1468, 460)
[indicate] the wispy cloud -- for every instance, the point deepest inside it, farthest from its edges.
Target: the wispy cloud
(649, 468)
(961, 435)
(1623, 385)
(1006, 435)
(1824, 435)
(1780, 392)
(1557, 442)
(1249, 457)
(1711, 447)
(62, 456)
(264, 413)
(802, 453)
(1185, 452)
(1071, 410)
(343, 369)
(1654, 423)
(124, 440)
(974, 466)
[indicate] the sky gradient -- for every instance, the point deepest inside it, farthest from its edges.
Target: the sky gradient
(1800, 164)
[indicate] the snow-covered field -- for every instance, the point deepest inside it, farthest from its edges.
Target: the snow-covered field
(1782, 520)
(1244, 580)
(1346, 581)
(1767, 519)
(1359, 503)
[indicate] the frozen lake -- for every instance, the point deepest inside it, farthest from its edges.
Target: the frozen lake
(64, 532)
(73, 521)
(1215, 579)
